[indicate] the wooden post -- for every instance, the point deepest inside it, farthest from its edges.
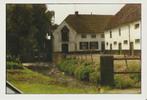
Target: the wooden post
(106, 71)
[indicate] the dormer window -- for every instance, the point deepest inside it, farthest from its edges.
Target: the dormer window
(83, 36)
(93, 36)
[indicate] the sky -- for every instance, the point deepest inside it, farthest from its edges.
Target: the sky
(63, 10)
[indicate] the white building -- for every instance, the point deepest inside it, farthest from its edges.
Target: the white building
(81, 33)
(120, 33)
(123, 32)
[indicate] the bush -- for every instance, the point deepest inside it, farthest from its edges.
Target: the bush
(83, 72)
(71, 67)
(94, 77)
(123, 81)
(13, 65)
(68, 66)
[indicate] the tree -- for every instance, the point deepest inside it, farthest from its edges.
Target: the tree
(26, 28)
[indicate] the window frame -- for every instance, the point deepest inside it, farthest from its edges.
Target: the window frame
(82, 44)
(93, 35)
(115, 42)
(125, 42)
(110, 34)
(83, 36)
(136, 26)
(94, 45)
(119, 30)
(137, 41)
(102, 35)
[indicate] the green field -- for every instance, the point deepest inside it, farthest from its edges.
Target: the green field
(72, 76)
(32, 82)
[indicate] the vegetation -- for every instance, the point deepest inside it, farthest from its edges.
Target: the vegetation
(55, 81)
(27, 26)
(13, 63)
(84, 71)
(32, 82)
(87, 71)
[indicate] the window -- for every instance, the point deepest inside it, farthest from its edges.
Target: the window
(83, 36)
(137, 40)
(83, 45)
(107, 43)
(93, 36)
(110, 34)
(125, 41)
(110, 46)
(119, 31)
(102, 35)
(115, 42)
(93, 45)
(136, 26)
(65, 34)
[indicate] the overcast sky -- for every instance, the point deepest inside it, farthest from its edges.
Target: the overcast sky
(63, 10)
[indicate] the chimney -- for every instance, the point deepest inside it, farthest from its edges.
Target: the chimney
(76, 13)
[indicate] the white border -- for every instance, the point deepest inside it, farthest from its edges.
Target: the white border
(142, 96)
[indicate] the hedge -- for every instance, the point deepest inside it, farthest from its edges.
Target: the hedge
(82, 71)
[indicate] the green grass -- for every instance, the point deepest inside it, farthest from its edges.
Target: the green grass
(30, 82)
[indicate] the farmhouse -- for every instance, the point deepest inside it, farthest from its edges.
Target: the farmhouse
(100, 33)
(81, 33)
(122, 34)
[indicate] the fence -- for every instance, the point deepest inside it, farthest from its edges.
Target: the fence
(107, 69)
(86, 57)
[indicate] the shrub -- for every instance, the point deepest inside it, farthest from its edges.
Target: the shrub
(94, 77)
(83, 72)
(68, 66)
(13, 65)
(123, 81)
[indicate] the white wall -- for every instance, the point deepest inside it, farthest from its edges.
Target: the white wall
(74, 39)
(134, 34)
(57, 38)
(89, 39)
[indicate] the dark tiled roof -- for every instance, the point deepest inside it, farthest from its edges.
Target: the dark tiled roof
(129, 13)
(88, 23)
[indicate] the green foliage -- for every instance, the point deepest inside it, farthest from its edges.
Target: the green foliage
(87, 71)
(13, 65)
(124, 81)
(68, 66)
(13, 62)
(94, 77)
(82, 72)
(27, 25)
(71, 67)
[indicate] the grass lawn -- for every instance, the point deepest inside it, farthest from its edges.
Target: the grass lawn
(30, 82)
